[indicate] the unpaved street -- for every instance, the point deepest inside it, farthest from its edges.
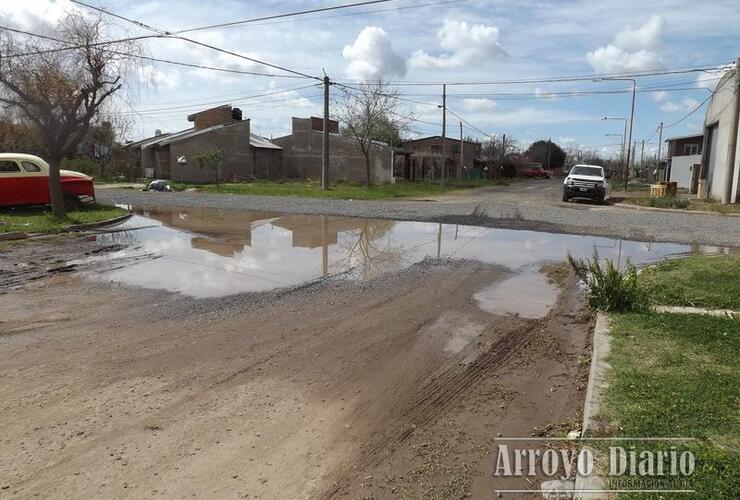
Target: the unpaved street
(392, 387)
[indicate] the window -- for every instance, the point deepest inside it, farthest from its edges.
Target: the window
(690, 149)
(8, 167)
(31, 167)
(594, 171)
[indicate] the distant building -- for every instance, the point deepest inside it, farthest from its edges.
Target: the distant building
(683, 160)
(246, 155)
(303, 151)
(720, 171)
(424, 157)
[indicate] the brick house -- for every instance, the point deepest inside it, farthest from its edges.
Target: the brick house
(246, 155)
(424, 157)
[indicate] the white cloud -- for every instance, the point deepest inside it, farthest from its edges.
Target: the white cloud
(35, 13)
(371, 56)
(686, 104)
(709, 79)
(659, 96)
(478, 104)
(670, 107)
(462, 44)
(631, 50)
(149, 75)
(543, 94)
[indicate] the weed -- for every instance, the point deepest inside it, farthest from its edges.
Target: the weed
(609, 288)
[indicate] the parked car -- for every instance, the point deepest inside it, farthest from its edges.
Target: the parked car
(586, 181)
(536, 170)
(24, 180)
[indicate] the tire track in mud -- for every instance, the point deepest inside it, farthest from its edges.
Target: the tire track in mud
(437, 395)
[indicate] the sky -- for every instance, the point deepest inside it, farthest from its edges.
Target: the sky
(410, 41)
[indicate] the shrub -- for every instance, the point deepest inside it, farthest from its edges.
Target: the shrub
(668, 202)
(609, 288)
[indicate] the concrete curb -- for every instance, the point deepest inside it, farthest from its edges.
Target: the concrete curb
(697, 310)
(94, 225)
(673, 210)
(13, 235)
(597, 383)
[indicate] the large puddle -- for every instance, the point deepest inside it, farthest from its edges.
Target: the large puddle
(211, 253)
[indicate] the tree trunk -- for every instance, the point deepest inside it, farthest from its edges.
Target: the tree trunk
(55, 189)
(368, 176)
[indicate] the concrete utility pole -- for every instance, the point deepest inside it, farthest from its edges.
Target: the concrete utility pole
(732, 143)
(443, 176)
(325, 144)
(461, 163)
(642, 154)
(660, 145)
(632, 122)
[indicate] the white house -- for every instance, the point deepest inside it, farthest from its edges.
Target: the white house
(683, 160)
(721, 159)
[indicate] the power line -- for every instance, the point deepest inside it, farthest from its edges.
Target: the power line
(278, 16)
(165, 34)
(693, 110)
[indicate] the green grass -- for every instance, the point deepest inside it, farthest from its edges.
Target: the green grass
(707, 205)
(706, 281)
(679, 375)
(344, 190)
(40, 219)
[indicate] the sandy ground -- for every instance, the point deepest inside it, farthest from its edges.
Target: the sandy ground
(395, 387)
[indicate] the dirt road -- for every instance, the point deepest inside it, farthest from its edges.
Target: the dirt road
(393, 387)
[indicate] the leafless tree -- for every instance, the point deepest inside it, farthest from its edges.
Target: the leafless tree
(58, 87)
(371, 113)
(494, 150)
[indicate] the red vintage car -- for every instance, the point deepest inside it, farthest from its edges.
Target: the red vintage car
(24, 180)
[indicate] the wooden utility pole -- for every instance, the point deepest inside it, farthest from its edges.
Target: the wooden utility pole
(548, 153)
(461, 163)
(325, 144)
(642, 154)
(660, 144)
(494, 175)
(443, 176)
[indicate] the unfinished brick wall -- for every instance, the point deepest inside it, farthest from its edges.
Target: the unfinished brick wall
(210, 117)
(318, 124)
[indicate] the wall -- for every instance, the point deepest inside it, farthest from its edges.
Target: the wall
(720, 111)
(232, 139)
(682, 169)
(302, 156)
(433, 146)
(211, 117)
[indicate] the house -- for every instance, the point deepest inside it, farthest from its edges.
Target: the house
(720, 166)
(171, 155)
(683, 160)
(303, 153)
(424, 157)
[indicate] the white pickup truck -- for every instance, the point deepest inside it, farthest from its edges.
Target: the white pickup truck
(586, 181)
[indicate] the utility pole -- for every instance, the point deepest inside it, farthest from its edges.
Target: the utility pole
(443, 176)
(660, 144)
(642, 154)
(325, 144)
(632, 120)
(460, 164)
(732, 143)
(503, 155)
(548, 153)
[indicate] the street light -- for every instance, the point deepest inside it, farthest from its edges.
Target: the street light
(632, 119)
(623, 136)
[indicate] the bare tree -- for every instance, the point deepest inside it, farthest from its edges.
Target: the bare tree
(371, 114)
(494, 150)
(57, 88)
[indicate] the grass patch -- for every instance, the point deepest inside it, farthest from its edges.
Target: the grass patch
(705, 281)
(343, 190)
(41, 220)
(679, 375)
(707, 205)
(609, 288)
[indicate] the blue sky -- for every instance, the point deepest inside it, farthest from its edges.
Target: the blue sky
(432, 41)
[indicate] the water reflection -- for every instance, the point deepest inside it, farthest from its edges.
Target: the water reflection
(206, 253)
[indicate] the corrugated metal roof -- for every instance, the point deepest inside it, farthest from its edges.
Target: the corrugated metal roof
(257, 141)
(187, 134)
(679, 137)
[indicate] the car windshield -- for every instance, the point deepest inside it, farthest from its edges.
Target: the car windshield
(595, 171)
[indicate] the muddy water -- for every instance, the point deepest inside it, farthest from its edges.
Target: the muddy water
(211, 253)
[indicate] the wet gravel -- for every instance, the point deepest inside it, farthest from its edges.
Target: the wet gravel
(480, 210)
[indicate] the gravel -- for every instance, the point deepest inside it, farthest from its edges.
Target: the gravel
(521, 206)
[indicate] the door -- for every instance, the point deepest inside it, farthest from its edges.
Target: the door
(12, 184)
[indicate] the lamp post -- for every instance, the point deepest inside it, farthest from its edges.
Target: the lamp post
(632, 119)
(621, 154)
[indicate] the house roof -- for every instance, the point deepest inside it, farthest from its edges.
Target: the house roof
(452, 139)
(679, 137)
(256, 141)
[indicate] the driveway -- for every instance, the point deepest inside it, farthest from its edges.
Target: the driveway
(530, 205)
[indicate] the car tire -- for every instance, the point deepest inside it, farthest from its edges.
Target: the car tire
(566, 198)
(71, 202)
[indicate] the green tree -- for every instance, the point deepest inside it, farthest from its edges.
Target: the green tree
(541, 151)
(212, 159)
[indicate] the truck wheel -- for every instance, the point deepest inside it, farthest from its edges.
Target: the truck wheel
(566, 198)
